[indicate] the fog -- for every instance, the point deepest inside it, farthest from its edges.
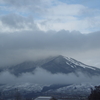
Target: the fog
(41, 76)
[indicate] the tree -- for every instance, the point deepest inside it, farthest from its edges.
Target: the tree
(95, 93)
(17, 95)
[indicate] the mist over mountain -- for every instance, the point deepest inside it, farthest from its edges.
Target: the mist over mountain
(34, 36)
(54, 65)
(51, 71)
(50, 75)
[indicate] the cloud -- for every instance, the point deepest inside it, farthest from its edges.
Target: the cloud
(70, 17)
(31, 29)
(26, 6)
(15, 22)
(21, 46)
(41, 76)
(55, 14)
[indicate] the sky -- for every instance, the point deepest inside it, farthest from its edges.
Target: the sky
(33, 29)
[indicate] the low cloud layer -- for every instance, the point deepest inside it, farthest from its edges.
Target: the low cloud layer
(43, 77)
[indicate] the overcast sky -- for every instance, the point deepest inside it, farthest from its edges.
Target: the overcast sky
(31, 29)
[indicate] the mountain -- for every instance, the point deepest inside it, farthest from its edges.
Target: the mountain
(74, 89)
(54, 65)
(29, 83)
(34, 90)
(61, 64)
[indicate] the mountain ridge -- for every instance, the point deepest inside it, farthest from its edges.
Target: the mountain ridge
(57, 64)
(60, 74)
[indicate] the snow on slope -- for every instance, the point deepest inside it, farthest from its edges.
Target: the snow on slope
(78, 63)
(84, 88)
(23, 87)
(76, 87)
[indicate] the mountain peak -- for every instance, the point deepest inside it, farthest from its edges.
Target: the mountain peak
(58, 64)
(62, 64)
(75, 63)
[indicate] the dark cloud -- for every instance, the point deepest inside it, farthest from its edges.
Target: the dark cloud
(25, 45)
(62, 40)
(18, 22)
(26, 6)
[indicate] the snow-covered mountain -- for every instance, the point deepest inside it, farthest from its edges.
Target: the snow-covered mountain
(74, 89)
(83, 89)
(55, 66)
(61, 64)
(23, 87)
(58, 64)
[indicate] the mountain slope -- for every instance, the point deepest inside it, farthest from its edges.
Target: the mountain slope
(83, 89)
(32, 82)
(58, 64)
(61, 64)
(74, 89)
